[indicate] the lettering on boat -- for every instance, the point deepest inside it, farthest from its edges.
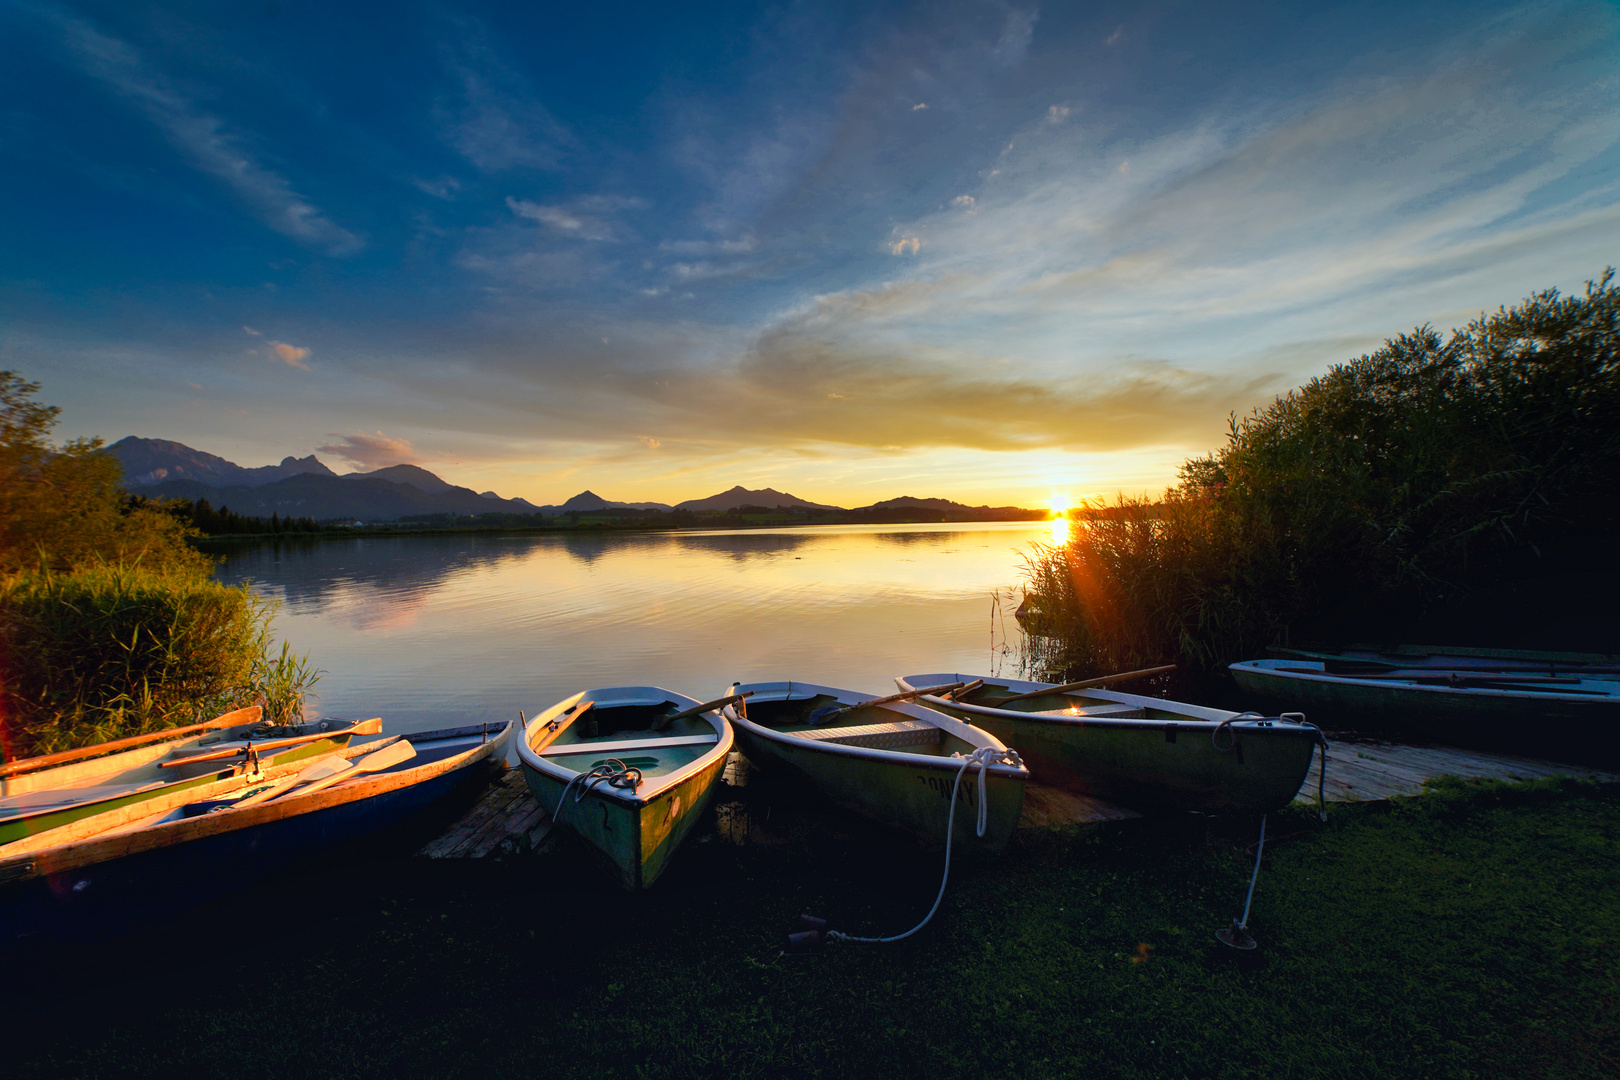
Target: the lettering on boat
(942, 787)
(674, 808)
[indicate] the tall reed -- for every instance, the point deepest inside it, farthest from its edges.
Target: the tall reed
(111, 650)
(1392, 484)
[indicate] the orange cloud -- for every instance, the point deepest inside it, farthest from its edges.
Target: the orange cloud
(292, 354)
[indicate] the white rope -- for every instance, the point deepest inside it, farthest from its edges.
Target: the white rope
(983, 758)
(1258, 854)
(614, 771)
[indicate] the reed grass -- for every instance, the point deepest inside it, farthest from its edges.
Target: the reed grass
(1375, 495)
(111, 650)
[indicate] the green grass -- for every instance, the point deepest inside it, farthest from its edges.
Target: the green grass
(1473, 932)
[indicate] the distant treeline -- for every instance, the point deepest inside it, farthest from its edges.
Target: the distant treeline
(226, 522)
(201, 516)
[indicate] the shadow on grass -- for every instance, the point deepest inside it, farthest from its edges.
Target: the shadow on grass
(1469, 932)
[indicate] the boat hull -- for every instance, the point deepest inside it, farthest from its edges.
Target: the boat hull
(911, 792)
(1558, 726)
(635, 833)
(91, 889)
(1169, 760)
(636, 838)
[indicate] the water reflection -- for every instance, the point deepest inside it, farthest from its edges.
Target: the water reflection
(428, 630)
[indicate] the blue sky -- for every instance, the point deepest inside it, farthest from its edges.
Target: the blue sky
(986, 251)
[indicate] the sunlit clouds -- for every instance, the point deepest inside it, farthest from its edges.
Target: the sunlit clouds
(370, 451)
(983, 252)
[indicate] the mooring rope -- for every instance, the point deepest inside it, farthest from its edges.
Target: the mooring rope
(613, 772)
(983, 758)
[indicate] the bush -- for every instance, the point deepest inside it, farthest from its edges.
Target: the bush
(1393, 484)
(110, 650)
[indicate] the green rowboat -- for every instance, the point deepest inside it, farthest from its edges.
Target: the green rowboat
(623, 770)
(1140, 752)
(891, 762)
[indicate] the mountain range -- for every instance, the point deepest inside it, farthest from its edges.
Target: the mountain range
(305, 487)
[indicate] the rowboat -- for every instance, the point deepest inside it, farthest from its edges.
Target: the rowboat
(43, 793)
(1140, 752)
(1563, 711)
(628, 768)
(150, 860)
(894, 762)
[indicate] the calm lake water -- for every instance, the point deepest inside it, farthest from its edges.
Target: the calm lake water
(429, 631)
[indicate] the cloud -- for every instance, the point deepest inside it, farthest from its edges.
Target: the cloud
(964, 201)
(919, 106)
(1116, 37)
(207, 140)
(561, 221)
(253, 332)
(373, 451)
(1057, 114)
(495, 121)
(905, 245)
(443, 188)
(293, 354)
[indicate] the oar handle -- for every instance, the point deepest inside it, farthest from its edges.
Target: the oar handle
(1082, 684)
(717, 703)
(904, 695)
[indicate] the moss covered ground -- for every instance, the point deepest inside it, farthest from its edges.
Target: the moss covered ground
(1470, 932)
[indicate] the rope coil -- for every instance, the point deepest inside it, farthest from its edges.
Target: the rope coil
(983, 757)
(612, 772)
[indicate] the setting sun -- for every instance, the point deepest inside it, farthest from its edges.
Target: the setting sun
(1059, 505)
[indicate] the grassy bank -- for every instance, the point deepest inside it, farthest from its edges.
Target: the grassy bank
(1473, 932)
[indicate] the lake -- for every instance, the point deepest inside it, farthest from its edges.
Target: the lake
(431, 631)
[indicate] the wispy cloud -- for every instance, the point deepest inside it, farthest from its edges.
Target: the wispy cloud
(587, 218)
(206, 139)
(371, 450)
(496, 121)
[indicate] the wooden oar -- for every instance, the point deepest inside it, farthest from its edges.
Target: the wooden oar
(828, 711)
(364, 727)
(1082, 684)
(717, 703)
(962, 692)
(327, 773)
(240, 717)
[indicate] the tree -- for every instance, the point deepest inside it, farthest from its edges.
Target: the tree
(61, 506)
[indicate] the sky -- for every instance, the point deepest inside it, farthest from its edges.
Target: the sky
(991, 252)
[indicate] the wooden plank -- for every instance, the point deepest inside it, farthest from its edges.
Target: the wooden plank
(619, 746)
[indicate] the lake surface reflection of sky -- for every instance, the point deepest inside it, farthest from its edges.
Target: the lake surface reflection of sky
(426, 631)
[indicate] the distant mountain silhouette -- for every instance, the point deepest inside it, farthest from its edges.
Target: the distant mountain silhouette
(152, 461)
(298, 487)
(741, 496)
(304, 487)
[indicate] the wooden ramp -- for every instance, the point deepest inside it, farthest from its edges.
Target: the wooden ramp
(507, 821)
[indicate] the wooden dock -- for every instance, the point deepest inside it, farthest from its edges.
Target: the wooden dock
(507, 821)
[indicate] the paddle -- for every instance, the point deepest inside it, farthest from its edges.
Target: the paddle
(1066, 687)
(962, 692)
(717, 703)
(326, 773)
(826, 712)
(365, 727)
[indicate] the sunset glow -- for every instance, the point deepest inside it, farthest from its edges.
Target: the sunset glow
(919, 250)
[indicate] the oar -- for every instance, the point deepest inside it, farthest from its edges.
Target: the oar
(826, 712)
(717, 703)
(327, 773)
(365, 727)
(1081, 685)
(962, 692)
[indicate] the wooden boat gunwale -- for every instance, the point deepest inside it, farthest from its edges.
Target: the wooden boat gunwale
(975, 737)
(69, 848)
(153, 760)
(1189, 717)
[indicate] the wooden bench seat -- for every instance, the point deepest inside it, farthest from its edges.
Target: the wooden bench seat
(619, 746)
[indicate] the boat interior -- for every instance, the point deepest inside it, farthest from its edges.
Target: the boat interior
(626, 733)
(823, 718)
